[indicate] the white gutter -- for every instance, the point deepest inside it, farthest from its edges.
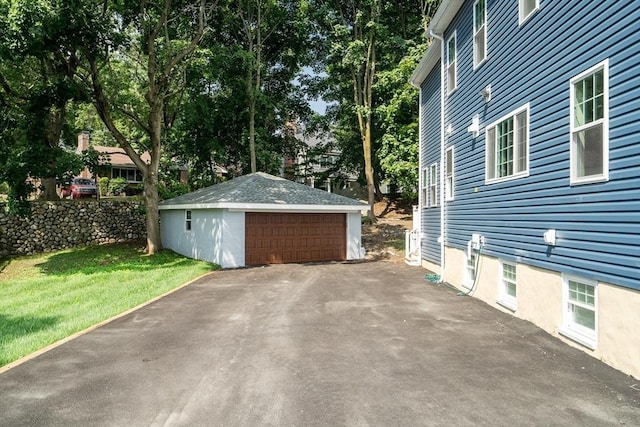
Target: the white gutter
(442, 153)
(266, 207)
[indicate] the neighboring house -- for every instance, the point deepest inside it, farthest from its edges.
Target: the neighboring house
(315, 166)
(261, 219)
(120, 164)
(530, 164)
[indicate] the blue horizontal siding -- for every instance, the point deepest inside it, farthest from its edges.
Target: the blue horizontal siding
(430, 153)
(598, 224)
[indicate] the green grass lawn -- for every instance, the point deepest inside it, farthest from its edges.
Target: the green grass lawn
(48, 297)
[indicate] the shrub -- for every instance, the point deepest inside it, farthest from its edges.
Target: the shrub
(103, 185)
(117, 186)
(172, 190)
(4, 188)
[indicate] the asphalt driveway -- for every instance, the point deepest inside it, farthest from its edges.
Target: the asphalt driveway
(369, 344)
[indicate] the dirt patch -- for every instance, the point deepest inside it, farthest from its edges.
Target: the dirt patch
(385, 238)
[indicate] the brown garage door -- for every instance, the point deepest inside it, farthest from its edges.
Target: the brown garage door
(276, 238)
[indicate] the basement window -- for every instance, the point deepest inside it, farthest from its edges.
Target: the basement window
(580, 312)
(507, 291)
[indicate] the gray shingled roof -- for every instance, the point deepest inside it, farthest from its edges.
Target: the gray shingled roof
(261, 188)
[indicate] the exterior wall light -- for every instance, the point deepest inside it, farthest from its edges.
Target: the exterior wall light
(449, 130)
(486, 93)
(474, 128)
(549, 237)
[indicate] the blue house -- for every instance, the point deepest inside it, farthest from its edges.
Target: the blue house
(530, 164)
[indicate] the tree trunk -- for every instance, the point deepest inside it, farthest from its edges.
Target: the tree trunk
(48, 189)
(368, 166)
(364, 101)
(151, 199)
(53, 131)
(252, 130)
(150, 172)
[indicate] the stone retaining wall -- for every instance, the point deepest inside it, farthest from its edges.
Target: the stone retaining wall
(68, 223)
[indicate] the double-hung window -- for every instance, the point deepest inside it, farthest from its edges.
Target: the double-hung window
(433, 185)
(590, 125)
(424, 185)
(449, 174)
(451, 63)
(507, 291)
(580, 310)
(507, 146)
(187, 220)
(526, 8)
(479, 32)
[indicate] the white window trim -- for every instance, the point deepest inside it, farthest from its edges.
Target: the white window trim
(504, 299)
(188, 220)
(433, 184)
(450, 187)
(473, 36)
(455, 62)
(424, 187)
(578, 333)
(574, 179)
(521, 17)
(518, 175)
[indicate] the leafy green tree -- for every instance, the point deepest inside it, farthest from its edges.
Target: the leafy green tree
(271, 39)
(136, 74)
(364, 39)
(399, 123)
(241, 98)
(39, 42)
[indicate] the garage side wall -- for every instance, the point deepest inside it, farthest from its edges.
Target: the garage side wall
(354, 235)
(202, 242)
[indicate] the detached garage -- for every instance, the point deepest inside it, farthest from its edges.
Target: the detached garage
(261, 219)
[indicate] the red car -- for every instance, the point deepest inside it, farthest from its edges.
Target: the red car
(79, 187)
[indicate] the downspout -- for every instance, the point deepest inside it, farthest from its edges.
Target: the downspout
(442, 153)
(420, 166)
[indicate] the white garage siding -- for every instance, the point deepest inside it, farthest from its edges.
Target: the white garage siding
(211, 231)
(202, 242)
(233, 238)
(354, 235)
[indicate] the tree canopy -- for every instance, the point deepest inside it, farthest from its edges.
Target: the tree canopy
(206, 83)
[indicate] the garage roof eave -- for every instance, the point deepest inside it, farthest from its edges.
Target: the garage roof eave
(267, 207)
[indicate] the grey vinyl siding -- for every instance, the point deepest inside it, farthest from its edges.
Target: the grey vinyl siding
(598, 224)
(430, 133)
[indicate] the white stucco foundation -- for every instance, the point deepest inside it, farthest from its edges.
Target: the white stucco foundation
(540, 301)
(434, 268)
